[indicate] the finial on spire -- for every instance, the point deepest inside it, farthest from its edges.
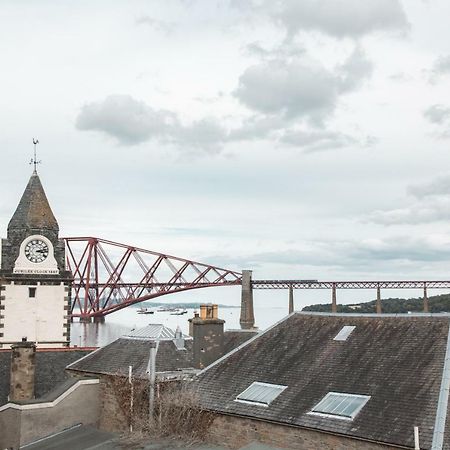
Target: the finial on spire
(34, 160)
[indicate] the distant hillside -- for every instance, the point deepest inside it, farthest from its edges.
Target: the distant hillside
(193, 305)
(437, 303)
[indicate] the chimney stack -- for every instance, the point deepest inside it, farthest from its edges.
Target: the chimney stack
(207, 331)
(22, 371)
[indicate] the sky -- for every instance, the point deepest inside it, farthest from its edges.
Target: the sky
(302, 140)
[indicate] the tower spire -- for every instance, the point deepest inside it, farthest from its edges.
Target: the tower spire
(34, 160)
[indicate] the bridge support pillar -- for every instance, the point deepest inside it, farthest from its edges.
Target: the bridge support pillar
(426, 307)
(333, 299)
(379, 300)
(85, 320)
(247, 319)
(99, 319)
(291, 299)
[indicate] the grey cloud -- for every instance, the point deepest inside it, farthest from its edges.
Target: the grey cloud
(300, 87)
(436, 187)
(128, 120)
(312, 141)
(347, 254)
(442, 65)
(432, 210)
(355, 70)
(257, 127)
(286, 50)
(133, 122)
(340, 18)
(291, 88)
(437, 113)
(205, 134)
(156, 24)
(401, 77)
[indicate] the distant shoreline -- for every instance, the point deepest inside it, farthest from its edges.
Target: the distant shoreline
(188, 305)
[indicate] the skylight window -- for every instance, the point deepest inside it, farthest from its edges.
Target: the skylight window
(342, 406)
(262, 394)
(344, 333)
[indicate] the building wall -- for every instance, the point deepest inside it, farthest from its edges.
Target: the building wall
(9, 429)
(43, 319)
(236, 432)
(37, 420)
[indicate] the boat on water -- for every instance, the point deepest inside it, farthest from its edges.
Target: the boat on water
(179, 312)
(145, 311)
(170, 309)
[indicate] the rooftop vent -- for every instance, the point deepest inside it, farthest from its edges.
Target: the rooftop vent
(344, 333)
(262, 394)
(340, 406)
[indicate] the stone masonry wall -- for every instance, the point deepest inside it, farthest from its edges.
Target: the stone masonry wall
(19, 427)
(235, 432)
(112, 417)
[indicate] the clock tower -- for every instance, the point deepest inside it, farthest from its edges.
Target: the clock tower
(34, 283)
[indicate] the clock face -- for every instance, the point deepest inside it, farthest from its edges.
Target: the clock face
(36, 251)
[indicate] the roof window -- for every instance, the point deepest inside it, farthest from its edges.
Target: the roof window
(344, 333)
(262, 394)
(340, 406)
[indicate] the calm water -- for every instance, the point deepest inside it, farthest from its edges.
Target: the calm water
(120, 322)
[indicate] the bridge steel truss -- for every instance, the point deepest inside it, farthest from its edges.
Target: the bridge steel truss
(108, 276)
(335, 285)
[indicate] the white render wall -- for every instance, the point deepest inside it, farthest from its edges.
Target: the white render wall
(39, 319)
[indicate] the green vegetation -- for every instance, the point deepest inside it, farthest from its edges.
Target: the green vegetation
(437, 303)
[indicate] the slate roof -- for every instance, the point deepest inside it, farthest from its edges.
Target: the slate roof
(134, 350)
(33, 211)
(154, 332)
(397, 360)
(50, 370)
(235, 338)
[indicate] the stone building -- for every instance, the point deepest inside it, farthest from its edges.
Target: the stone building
(126, 362)
(38, 397)
(34, 283)
(334, 381)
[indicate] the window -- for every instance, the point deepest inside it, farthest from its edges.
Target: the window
(32, 292)
(342, 406)
(262, 394)
(344, 333)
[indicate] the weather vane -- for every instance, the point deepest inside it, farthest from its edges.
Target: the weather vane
(34, 160)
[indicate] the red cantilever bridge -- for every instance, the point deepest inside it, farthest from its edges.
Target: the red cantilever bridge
(108, 276)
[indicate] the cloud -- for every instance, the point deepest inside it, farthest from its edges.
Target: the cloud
(300, 87)
(340, 18)
(441, 67)
(349, 254)
(432, 210)
(436, 187)
(313, 141)
(132, 122)
(156, 24)
(356, 69)
(128, 120)
(437, 114)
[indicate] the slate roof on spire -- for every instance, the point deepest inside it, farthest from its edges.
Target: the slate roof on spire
(33, 211)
